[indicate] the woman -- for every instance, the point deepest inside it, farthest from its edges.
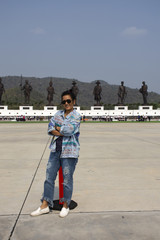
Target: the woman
(64, 127)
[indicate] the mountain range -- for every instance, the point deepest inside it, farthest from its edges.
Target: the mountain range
(13, 94)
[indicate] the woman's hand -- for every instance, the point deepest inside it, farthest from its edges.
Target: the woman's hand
(58, 128)
(56, 132)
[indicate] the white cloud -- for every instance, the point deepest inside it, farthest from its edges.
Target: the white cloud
(134, 31)
(38, 31)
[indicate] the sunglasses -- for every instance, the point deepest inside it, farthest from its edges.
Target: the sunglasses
(68, 101)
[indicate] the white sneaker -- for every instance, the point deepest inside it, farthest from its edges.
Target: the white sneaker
(40, 211)
(64, 212)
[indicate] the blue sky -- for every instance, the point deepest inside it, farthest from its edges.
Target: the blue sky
(110, 40)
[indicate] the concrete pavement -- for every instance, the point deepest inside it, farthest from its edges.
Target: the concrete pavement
(116, 183)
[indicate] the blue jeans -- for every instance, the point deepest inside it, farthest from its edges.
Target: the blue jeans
(68, 167)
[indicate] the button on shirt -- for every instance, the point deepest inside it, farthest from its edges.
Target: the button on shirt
(69, 128)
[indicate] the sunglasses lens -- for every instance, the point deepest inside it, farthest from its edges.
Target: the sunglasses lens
(64, 101)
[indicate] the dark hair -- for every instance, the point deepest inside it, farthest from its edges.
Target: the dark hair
(68, 92)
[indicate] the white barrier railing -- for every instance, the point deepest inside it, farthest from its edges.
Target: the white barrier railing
(94, 111)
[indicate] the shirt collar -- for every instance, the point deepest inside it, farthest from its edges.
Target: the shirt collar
(70, 114)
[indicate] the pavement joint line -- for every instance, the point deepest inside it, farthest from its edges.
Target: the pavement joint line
(14, 226)
(96, 212)
(114, 212)
(91, 213)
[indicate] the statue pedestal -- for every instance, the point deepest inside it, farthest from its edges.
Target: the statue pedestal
(121, 108)
(26, 108)
(49, 108)
(145, 107)
(97, 108)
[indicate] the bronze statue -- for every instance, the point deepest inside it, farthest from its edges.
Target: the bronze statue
(144, 92)
(75, 91)
(2, 90)
(27, 88)
(50, 91)
(97, 93)
(121, 94)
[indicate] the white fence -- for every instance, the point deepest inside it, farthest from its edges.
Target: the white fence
(95, 111)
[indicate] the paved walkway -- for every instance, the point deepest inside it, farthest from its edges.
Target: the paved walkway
(116, 183)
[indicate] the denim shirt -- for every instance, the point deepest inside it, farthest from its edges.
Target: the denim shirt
(69, 128)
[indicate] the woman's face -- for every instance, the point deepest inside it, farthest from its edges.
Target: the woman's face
(68, 103)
